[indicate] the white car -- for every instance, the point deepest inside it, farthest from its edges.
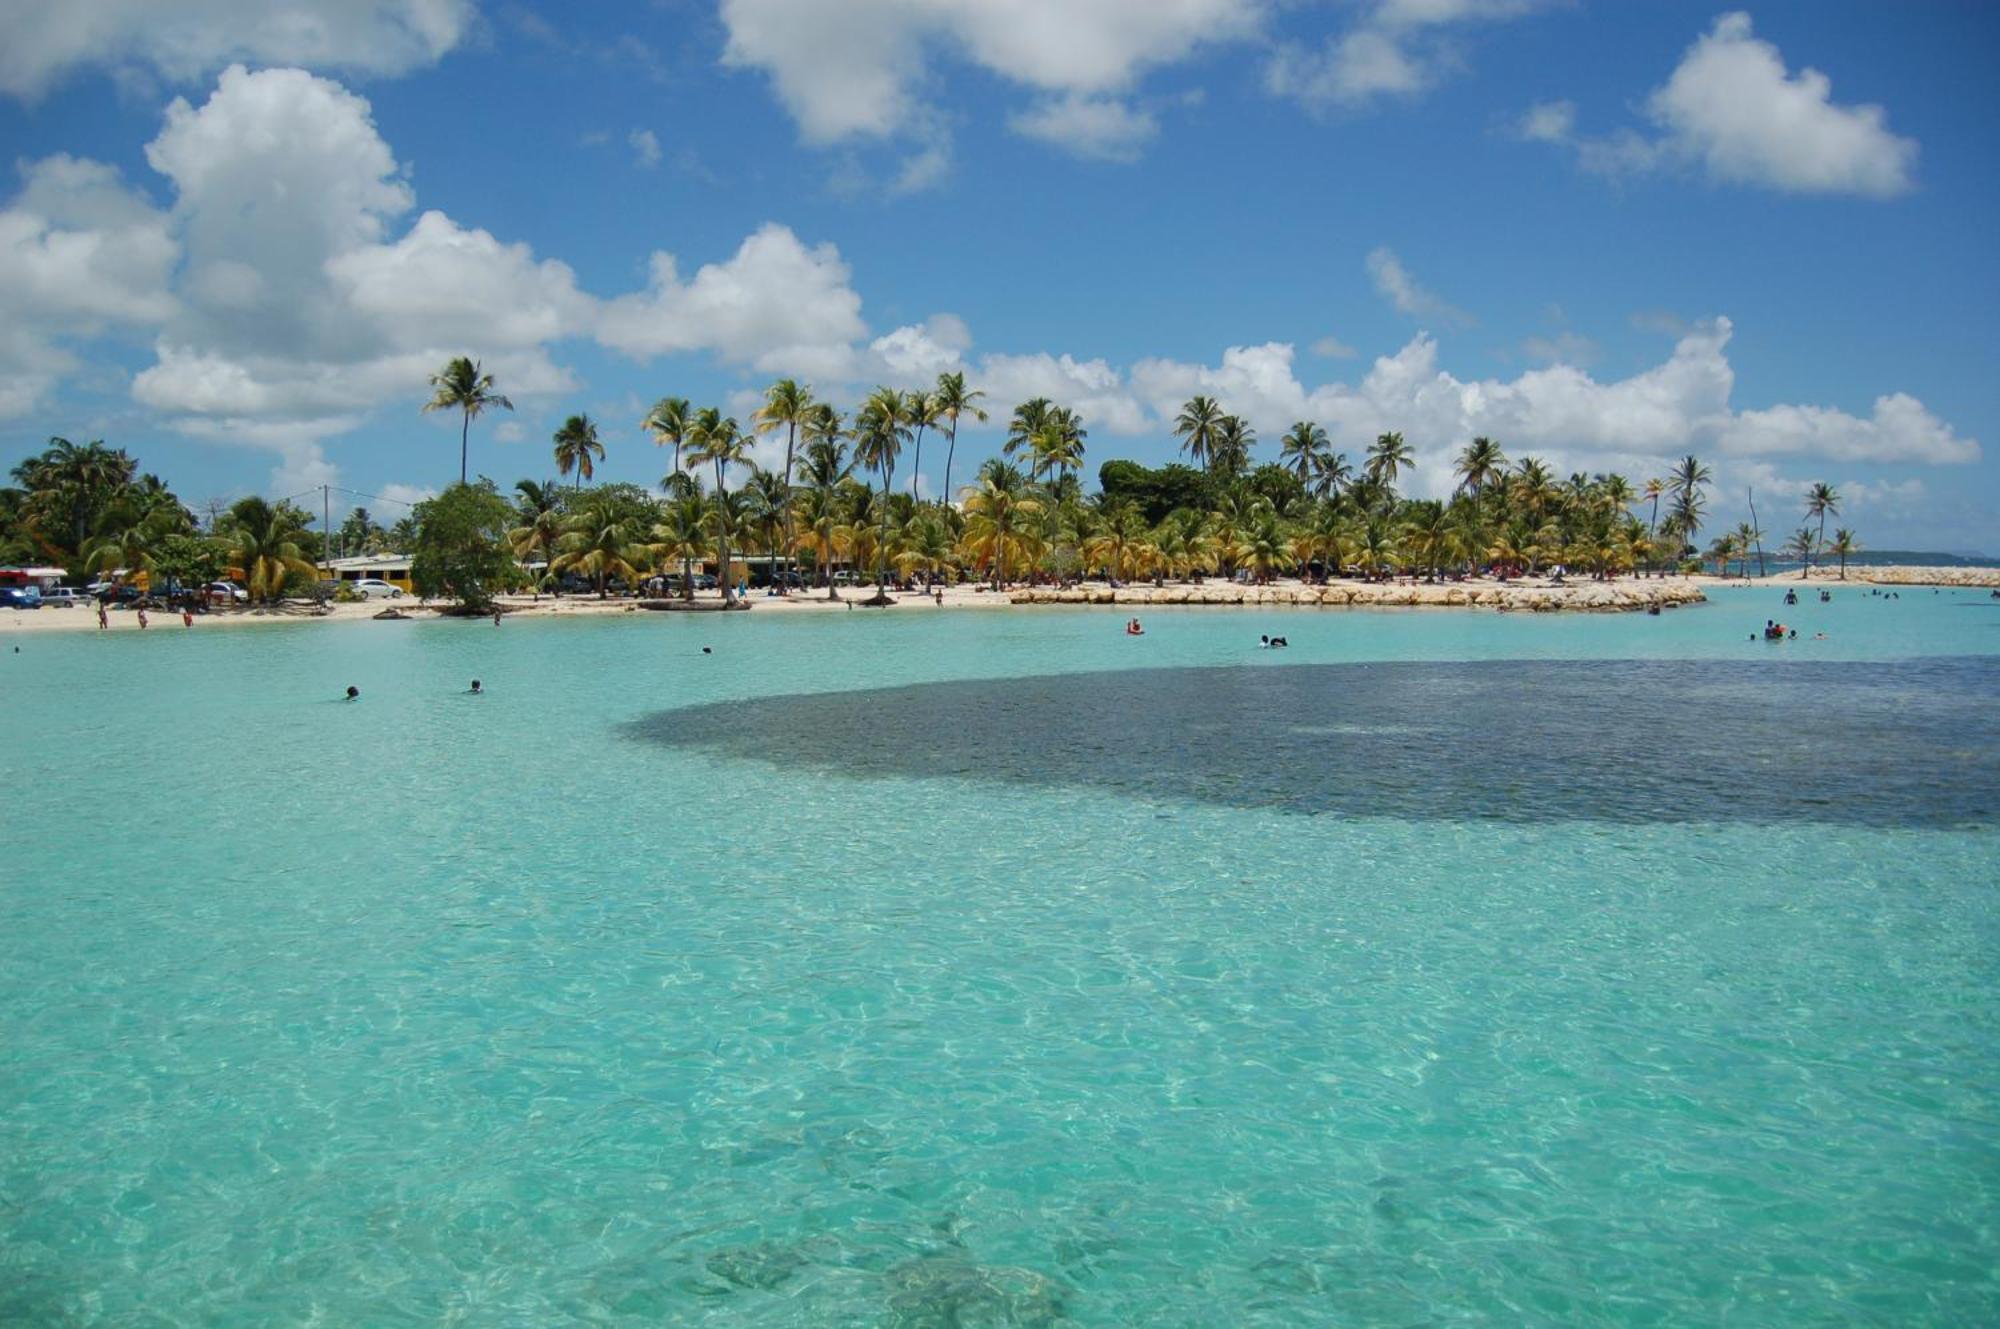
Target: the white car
(225, 592)
(61, 597)
(374, 588)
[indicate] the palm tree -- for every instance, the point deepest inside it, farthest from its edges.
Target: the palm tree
(1229, 454)
(1685, 483)
(1822, 499)
(1303, 450)
(1029, 419)
(919, 410)
(786, 403)
(1330, 475)
(1801, 546)
(67, 488)
(577, 448)
(1197, 426)
(541, 528)
(460, 386)
(925, 545)
(682, 534)
(667, 422)
(879, 434)
(263, 542)
(600, 541)
(766, 504)
(1479, 465)
(996, 511)
(1844, 544)
(953, 399)
(1057, 445)
(716, 440)
(1387, 456)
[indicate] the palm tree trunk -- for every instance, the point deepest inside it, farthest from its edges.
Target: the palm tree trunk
(882, 541)
(722, 533)
(791, 436)
(464, 433)
(917, 462)
(951, 446)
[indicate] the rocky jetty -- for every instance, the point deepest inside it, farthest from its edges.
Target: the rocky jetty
(1532, 597)
(1899, 576)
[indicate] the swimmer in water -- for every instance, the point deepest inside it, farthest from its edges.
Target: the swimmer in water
(475, 690)
(353, 693)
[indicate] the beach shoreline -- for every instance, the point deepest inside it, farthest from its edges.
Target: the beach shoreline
(1524, 594)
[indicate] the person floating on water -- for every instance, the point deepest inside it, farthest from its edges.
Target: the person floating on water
(1132, 628)
(353, 693)
(475, 690)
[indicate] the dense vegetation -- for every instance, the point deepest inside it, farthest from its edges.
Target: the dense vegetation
(836, 500)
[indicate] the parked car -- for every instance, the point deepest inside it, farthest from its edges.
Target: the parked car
(226, 592)
(374, 588)
(704, 582)
(20, 597)
(62, 597)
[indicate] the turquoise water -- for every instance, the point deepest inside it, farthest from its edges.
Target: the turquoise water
(507, 1010)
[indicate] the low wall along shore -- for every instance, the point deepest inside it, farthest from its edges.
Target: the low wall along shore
(1584, 596)
(1900, 576)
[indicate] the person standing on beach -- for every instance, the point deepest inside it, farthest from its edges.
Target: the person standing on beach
(103, 619)
(187, 617)
(142, 618)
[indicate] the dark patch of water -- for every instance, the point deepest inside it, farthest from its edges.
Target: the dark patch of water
(1906, 743)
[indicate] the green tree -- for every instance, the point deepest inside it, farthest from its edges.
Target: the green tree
(791, 405)
(1197, 426)
(461, 386)
(1821, 500)
(879, 435)
(1303, 450)
(1480, 464)
(717, 441)
(1387, 456)
(1843, 547)
(265, 542)
(461, 550)
(578, 449)
(953, 400)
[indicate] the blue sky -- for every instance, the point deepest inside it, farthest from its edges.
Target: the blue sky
(1605, 234)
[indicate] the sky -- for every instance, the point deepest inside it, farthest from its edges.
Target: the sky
(236, 240)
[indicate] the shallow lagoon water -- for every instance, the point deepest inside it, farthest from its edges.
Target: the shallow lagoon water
(501, 1010)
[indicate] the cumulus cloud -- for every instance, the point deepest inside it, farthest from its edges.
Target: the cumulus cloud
(855, 70)
(1402, 290)
(778, 305)
(1104, 128)
(80, 254)
(40, 44)
(1732, 111)
(1396, 48)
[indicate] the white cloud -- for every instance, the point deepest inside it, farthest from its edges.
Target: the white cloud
(1104, 128)
(1731, 110)
(777, 305)
(645, 146)
(1402, 290)
(855, 70)
(407, 496)
(1397, 48)
(42, 43)
(1333, 348)
(509, 431)
(1900, 429)
(80, 254)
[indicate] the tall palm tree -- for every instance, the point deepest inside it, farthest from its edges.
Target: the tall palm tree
(1229, 454)
(786, 403)
(1801, 547)
(1822, 499)
(920, 411)
(716, 440)
(1196, 427)
(1844, 545)
(953, 400)
(1303, 450)
(667, 422)
(1387, 456)
(880, 430)
(600, 541)
(767, 500)
(1057, 446)
(1029, 419)
(1330, 475)
(461, 386)
(577, 448)
(1685, 483)
(821, 476)
(1479, 465)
